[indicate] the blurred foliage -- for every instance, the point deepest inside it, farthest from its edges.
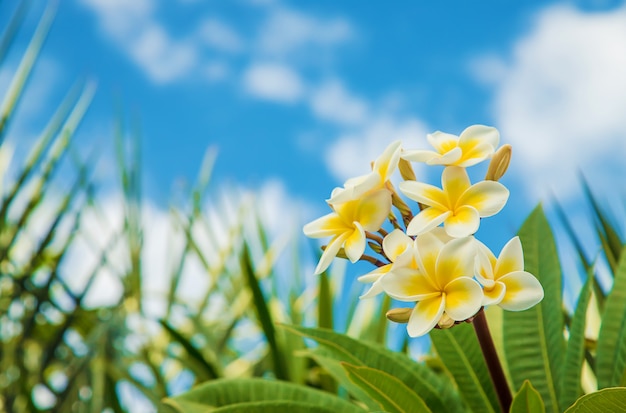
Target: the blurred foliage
(58, 354)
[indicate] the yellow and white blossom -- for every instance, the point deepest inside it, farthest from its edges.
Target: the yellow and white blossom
(347, 226)
(384, 166)
(504, 280)
(401, 250)
(475, 144)
(442, 283)
(459, 205)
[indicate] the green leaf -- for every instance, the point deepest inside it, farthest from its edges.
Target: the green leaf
(611, 352)
(324, 303)
(265, 318)
(612, 399)
(436, 391)
(274, 407)
(460, 352)
(575, 353)
(392, 395)
(231, 392)
(527, 400)
(533, 339)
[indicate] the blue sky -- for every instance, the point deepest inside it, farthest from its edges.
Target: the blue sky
(299, 96)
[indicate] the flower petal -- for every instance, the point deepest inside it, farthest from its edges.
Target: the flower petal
(488, 197)
(395, 243)
(456, 259)
(483, 265)
(330, 252)
(511, 258)
(464, 222)
(426, 220)
(419, 155)
(387, 162)
(374, 209)
(429, 247)
(463, 298)
(425, 316)
(355, 243)
(475, 154)
(330, 224)
(374, 275)
(449, 158)
(494, 294)
(523, 291)
(375, 289)
(354, 188)
(442, 142)
(406, 284)
(480, 133)
(455, 182)
(424, 193)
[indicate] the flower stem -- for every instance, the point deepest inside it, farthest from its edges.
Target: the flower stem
(493, 362)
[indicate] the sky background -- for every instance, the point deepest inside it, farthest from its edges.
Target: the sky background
(298, 96)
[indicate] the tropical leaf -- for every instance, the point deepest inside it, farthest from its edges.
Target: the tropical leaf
(335, 348)
(527, 400)
(575, 353)
(392, 395)
(460, 352)
(226, 392)
(533, 339)
(611, 351)
(612, 399)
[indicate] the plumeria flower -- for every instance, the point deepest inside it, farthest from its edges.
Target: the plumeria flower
(475, 144)
(401, 250)
(442, 286)
(384, 166)
(347, 226)
(459, 205)
(504, 280)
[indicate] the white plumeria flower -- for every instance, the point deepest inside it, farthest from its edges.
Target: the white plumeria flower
(401, 250)
(384, 166)
(504, 280)
(459, 205)
(441, 285)
(347, 225)
(475, 144)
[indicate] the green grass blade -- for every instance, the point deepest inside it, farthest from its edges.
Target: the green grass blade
(16, 87)
(533, 339)
(324, 303)
(460, 352)
(14, 24)
(611, 351)
(264, 315)
(575, 352)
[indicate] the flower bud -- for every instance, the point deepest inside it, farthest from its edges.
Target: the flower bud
(445, 321)
(406, 170)
(399, 315)
(499, 163)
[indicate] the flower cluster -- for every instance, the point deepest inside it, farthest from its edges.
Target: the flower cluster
(430, 258)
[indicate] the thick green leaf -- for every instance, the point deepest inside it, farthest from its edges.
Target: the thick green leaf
(608, 400)
(575, 353)
(229, 392)
(527, 400)
(533, 339)
(334, 348)
(391, 394)
(460, 352)
(274, 407)
(611, 352)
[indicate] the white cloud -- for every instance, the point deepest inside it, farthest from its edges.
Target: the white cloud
(350, 155)
(273, 81)
(216, 70)
(561, 100)
(132, 27)
(331, 101)
(220, 36)
(287, 31)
